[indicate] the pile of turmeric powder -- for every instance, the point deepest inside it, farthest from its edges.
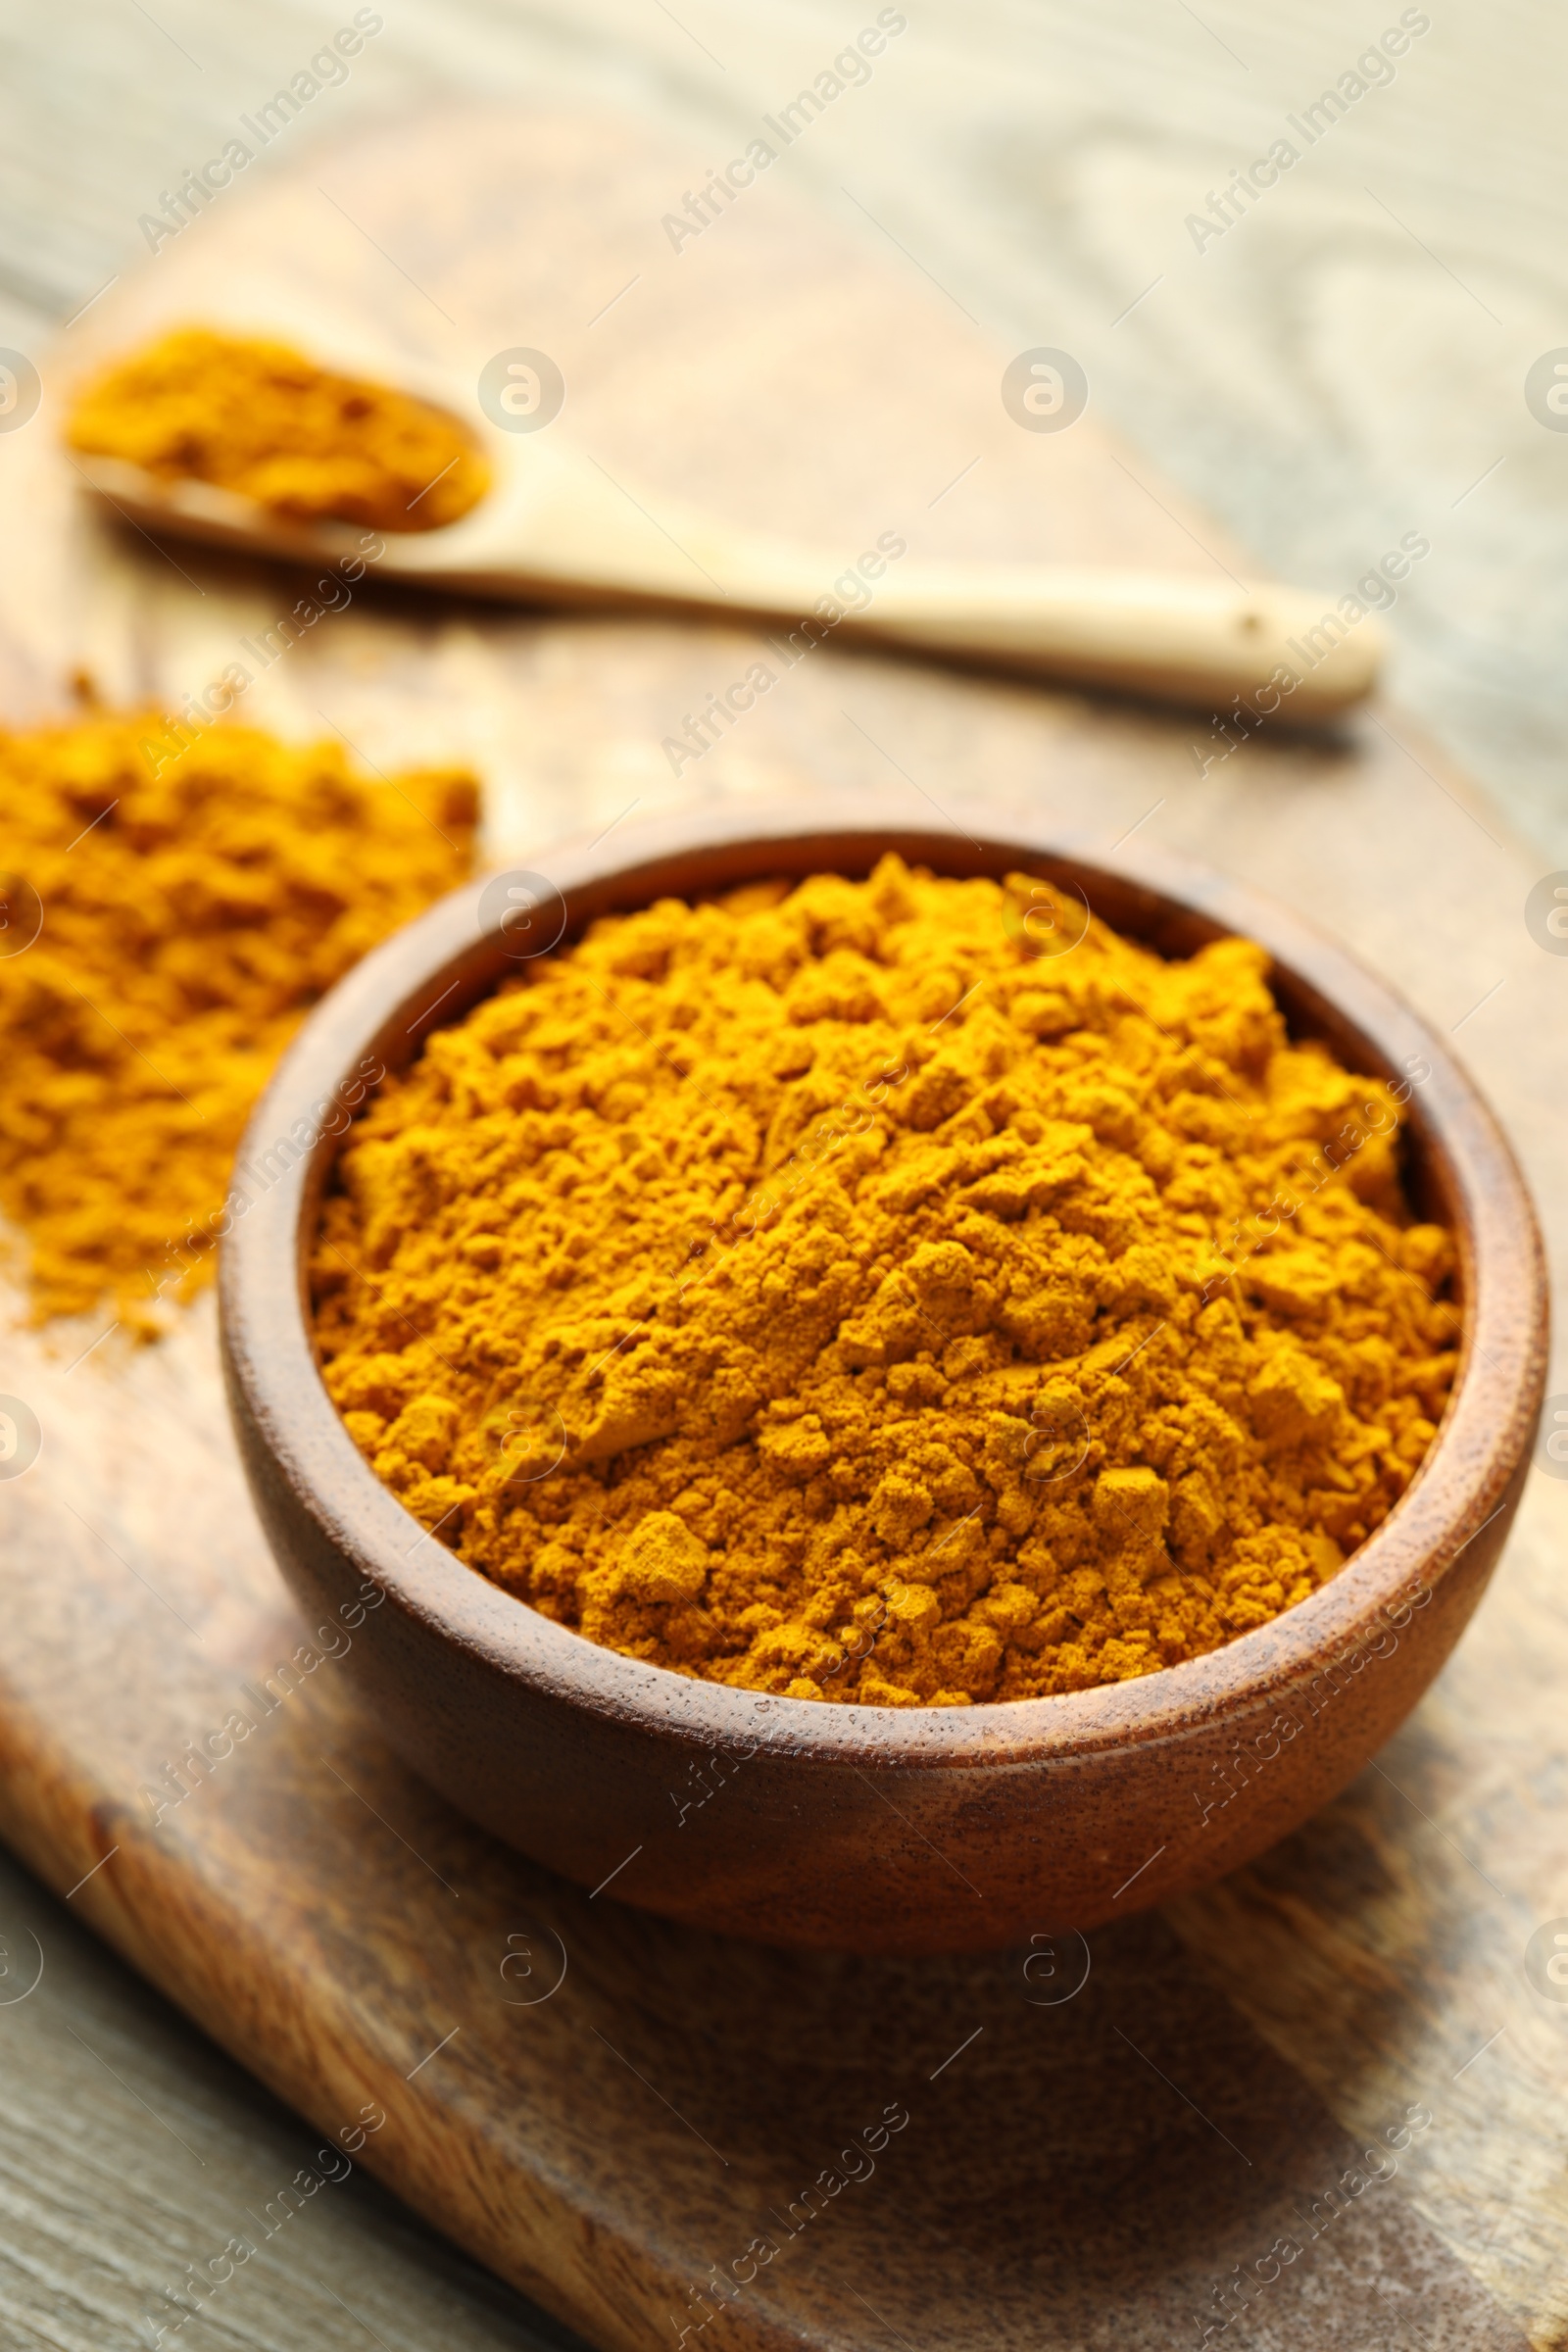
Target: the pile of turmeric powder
(170, 906)
(906, 1292)
(261, 420)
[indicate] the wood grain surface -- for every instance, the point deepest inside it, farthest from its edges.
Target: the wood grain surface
(1085, 2171)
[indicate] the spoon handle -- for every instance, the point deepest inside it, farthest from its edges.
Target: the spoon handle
(1178, 639)
(560, 524)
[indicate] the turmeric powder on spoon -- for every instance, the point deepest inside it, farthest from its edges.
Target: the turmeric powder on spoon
(904, 1292)
(258, 419)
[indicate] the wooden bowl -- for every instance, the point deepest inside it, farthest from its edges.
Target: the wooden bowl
(862, 1828)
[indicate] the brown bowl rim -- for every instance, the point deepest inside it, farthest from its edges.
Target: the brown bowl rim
(381, 1007)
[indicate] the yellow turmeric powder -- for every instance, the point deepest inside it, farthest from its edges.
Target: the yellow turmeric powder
(833, 1291)
(167, 918)
(261, 419)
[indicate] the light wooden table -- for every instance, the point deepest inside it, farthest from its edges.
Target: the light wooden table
(1336, 370)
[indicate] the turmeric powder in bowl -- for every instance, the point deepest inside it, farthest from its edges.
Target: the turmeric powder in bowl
(904, 1292)
(261, 419)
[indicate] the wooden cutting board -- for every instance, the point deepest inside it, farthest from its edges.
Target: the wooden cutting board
(601, 2105)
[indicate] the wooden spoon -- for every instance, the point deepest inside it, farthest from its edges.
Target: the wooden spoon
(555, 528)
